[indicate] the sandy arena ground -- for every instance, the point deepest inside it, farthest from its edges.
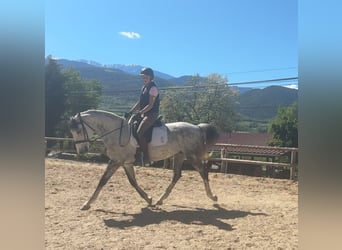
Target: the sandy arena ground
(251, 212)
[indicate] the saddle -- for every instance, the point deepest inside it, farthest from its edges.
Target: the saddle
(148, 134)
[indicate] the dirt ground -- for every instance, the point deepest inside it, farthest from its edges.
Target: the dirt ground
(251, 212)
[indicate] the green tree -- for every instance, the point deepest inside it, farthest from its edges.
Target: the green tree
(79, 95)
(54, 96)
(209, 100)
(66, 94)
(284, 127)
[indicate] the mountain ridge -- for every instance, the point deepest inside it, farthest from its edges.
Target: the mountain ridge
(264, 103)
(118, 80)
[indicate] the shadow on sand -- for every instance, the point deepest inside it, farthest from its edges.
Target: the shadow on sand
(199, 216)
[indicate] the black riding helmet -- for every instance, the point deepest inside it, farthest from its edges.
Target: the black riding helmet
(147, 72)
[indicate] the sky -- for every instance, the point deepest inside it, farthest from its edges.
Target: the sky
(243, 40)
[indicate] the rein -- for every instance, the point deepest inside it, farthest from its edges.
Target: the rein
(86, 136)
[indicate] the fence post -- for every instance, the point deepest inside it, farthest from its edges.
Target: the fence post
(293, 156)
(223, 163)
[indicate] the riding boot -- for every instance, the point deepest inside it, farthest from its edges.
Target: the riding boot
(138, 157)
(144, 149)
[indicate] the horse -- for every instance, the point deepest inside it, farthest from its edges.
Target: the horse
(185, 141)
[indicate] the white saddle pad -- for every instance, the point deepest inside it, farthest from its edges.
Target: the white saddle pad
(159, 137)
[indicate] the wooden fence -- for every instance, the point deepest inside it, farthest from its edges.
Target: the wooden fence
(226, 151)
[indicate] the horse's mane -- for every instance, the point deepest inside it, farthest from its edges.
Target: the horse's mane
(101, 112)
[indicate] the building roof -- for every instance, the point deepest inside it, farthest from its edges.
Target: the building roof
(261, 139)
(254, 150)
(249, 144)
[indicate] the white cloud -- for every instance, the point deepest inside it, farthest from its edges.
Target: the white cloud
(130, 35)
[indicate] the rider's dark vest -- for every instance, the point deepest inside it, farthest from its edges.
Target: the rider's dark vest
(145, 98)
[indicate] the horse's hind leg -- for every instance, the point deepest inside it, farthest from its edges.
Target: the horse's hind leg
(129, 170)
(204, 172)
(110, 170)
(177, 172)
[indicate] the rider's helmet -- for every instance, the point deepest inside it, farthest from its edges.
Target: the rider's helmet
(147, 72)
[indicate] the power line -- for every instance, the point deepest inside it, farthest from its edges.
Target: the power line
(262, 70)
(264, 81)
(189, 86)
(192, 88)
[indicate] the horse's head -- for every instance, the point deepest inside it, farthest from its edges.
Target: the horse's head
(80, 133)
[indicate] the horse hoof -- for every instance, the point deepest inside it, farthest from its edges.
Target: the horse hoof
(85, 207)
(154, 207)
(214, 198)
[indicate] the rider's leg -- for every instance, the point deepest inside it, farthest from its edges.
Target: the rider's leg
(145, 124)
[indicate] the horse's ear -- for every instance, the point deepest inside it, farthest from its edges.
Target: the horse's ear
(72, 118)
(83, 115)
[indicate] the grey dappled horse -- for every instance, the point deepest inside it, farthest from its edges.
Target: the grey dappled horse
(185, 141)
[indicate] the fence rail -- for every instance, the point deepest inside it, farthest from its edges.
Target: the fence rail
(57, 139)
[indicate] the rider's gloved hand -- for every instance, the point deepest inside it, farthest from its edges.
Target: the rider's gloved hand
(127, 115)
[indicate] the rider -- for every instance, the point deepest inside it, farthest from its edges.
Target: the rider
(148, 106)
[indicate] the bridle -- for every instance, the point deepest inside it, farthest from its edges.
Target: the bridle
(84, 124)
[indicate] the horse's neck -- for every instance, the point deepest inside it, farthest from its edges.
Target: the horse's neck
(115, 133)
(103, 124)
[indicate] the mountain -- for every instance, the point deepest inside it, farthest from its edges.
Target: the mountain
(112, 79)
(264, 103)
(107, 72)
(183, 80)
(120, 89)
(122, 84)
(242, 89)
(133, 69)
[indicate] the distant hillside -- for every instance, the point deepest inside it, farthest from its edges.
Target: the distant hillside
(114, 76)
(112, 79)
(183, 80)
(120, 90)
(242, 89)
(136, 69)
(264, 103)
(122, 84)
(133, 69)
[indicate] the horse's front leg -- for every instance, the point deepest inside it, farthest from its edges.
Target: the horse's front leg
(177, 173)
(131, 178)
(110, 170)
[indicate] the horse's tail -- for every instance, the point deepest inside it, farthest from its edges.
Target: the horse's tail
(211, 133)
